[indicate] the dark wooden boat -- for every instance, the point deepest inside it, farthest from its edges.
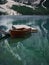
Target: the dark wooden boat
(22, 31)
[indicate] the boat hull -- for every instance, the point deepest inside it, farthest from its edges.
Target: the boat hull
(19, 33)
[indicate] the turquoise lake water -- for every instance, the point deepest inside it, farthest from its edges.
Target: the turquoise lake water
(32, 50)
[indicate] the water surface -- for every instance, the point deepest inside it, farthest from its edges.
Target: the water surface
(32, 50)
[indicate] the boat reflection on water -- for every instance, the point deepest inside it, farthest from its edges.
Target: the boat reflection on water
(13, 41)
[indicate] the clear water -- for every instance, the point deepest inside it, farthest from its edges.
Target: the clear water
(33, 50)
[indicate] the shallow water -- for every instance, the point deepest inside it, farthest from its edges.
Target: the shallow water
(32, 50)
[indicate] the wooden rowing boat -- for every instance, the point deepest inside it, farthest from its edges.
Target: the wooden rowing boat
(21, 30)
